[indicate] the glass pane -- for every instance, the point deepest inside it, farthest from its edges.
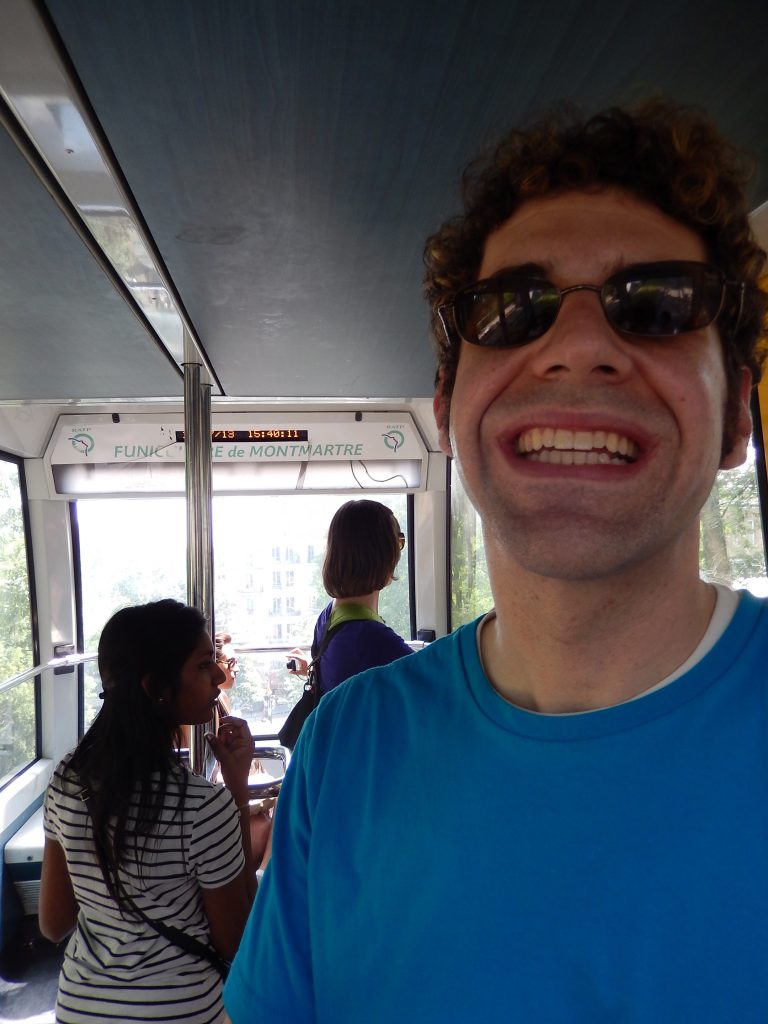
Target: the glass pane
(17, 706)
(470, 587)
(731, 549)
(91, 691)
(268, 554)
(17, 729)
(264, 691)
(132, 550)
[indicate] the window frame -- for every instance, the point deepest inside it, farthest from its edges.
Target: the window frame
(18, 461)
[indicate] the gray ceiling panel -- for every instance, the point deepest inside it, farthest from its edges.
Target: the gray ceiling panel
(64, 331)
(290, 158)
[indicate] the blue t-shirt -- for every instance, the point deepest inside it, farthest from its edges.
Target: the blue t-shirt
(442, 856)
(354, 647)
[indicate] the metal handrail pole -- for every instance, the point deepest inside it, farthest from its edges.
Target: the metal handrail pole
(36, 670)
(197, 478)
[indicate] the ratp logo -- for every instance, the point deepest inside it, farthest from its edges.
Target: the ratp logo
(394, 439)
(82, 443)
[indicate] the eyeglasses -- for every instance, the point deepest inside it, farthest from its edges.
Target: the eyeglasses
(652, 300)
(228, 663)
(401, 539)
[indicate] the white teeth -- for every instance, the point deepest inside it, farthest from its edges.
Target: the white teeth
(562, 446)
(557, 458)
(582, 440)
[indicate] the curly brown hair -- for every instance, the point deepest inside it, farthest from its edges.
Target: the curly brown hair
(666, 154)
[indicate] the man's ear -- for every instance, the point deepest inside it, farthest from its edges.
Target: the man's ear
(742, 429)
(441, 406)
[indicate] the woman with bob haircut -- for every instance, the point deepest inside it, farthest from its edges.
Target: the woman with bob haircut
(135, 842)
(364, 547)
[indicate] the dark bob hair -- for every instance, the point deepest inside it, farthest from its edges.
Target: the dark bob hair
(363, 549)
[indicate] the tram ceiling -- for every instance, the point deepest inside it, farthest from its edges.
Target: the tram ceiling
(64, 330)
(289, 159)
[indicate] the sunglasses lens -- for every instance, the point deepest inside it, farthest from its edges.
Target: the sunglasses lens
(505, 312)
(654, 300)
(662, 300)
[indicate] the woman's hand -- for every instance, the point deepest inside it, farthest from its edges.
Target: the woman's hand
(302, 665)
(261, 837)
(233, 748)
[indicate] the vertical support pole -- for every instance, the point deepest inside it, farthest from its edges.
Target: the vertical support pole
(197, 454)
(760, 442)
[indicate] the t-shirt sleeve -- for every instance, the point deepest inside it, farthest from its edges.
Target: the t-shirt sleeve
(52, 824)
(271, 976)
(216, 847)
(389, 646)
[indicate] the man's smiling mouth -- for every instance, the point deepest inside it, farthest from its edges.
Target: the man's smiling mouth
(565, 447)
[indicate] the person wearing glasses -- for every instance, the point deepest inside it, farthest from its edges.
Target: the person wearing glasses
(363, 549)
(261, 818)
(226, 659)
(558, 813)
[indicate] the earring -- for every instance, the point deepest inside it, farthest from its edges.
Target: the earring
(161, 700)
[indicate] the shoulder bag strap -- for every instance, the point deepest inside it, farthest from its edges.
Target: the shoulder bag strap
(175, 936)
(313, 668)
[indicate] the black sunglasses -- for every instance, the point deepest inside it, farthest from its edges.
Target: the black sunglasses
(652, 300)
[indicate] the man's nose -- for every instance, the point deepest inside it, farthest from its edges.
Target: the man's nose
(581, 342)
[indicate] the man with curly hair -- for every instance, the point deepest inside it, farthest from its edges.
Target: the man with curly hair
(559, 813)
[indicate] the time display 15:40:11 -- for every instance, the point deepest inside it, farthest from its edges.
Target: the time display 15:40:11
(268, 434)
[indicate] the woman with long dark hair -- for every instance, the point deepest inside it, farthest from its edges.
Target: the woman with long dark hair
(140, 853)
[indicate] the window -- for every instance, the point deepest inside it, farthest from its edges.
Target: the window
(276, 554)
(297, 524)
(731, 550)
(132, 550)
(470, 587)
(18, 648)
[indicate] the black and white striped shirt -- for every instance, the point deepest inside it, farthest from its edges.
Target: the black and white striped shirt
(119, 969)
